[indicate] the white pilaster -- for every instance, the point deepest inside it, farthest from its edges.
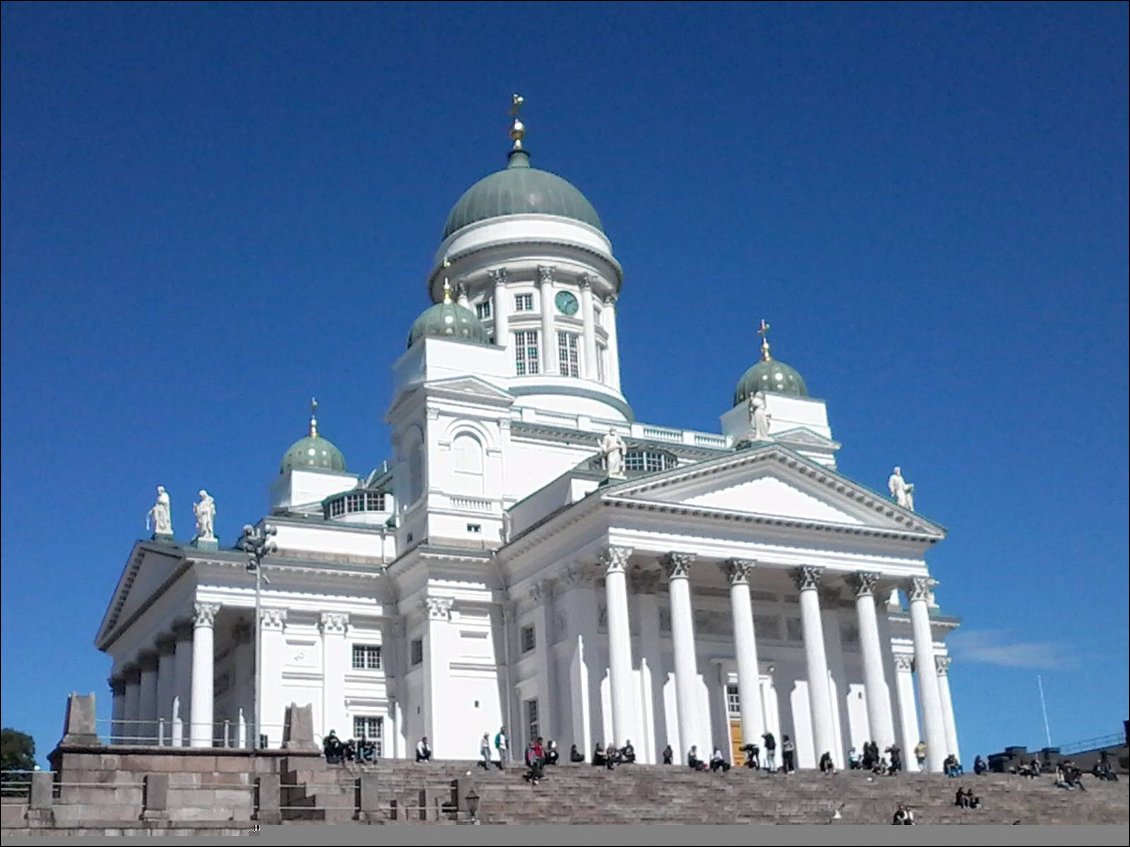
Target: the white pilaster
(541, 596)
(943, 663)
(819, 696)
(166, 687)
(678, 567)
(615, 560)
(585, 665)
(879, 721)
(550, 364)
(272, 712)
(500, 309)
(588, 317)
(443, 738)
(745, 650)
(335, 662)
(608, 315)
(203, 647)
(118, 690)
(182, 686)
(130, 711)
(908, 712)
(918, 591)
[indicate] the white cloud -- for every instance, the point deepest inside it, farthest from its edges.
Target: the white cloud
(999, 647)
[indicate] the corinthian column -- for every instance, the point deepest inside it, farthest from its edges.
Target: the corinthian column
(745, 649)
(875, 685)
(943, 663)
(918, 590)
(501, 309)
(615, 561)
(819, 695)
(588, 318)
(203, 645)
(678, 568)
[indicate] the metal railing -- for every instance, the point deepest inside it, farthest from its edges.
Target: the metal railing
(15, 784)
(168, 733)
(1116, 739)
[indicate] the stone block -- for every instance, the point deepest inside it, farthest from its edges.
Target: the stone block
(79, 728)
(155, 799)
(370, 805)
(268, 799)
(42, 790)
(298, 729)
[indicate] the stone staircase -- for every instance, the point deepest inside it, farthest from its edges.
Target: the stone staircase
(581, 794)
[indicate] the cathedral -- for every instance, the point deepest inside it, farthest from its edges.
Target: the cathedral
(533, 557)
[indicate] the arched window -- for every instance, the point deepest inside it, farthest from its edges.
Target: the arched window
(467, 464)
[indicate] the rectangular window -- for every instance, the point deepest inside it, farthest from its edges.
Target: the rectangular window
(370, 728)
(529, 639)
(532, 727)
(733, 701)
(526, 353)
(366, 657)
(793, 630)
(417, 651)
(523, 302)
(482, 310)
(567, 353)
(475, 528)
(601, 352)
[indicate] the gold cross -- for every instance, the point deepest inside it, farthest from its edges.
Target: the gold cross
(763, 331)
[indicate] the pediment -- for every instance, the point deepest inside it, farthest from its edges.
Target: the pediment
(806, 437)
(469, 387)
(146, 571)
(773, 483)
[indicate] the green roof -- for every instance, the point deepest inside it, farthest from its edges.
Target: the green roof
(769, 375)
(312, 453)
(448, 320)
(518, 190)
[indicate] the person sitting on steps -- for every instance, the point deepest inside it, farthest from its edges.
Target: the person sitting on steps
(718, 762)
(551, 754)
(693, 761)
(575, 755)
(752, 756)
(598, 756)
(423, 751)
(628, 753)
(826, 764)
(668, 755)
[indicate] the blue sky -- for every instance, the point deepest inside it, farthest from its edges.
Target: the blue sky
(212, 212)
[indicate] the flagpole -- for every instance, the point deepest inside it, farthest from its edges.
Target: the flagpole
(1044, 709)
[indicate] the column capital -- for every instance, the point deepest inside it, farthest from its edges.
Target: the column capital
(609, 300)
(677, 565)
(807, 577)
(584, 281)
(645, 582)
(438, 608)
(942, 664)
(862, 583)
(738, 570)
(204, 614)
(546, 274)
(333, 623)
(615, 559)
(148, 660)
(919, 588)
(540, 592)
(904, 662)
(117, 685)
(166, 644)
(498, 275)
(273, 619)
(131, 674)
(182, 630)
(398, 626)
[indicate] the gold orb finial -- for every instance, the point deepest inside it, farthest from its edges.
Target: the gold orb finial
(763, 331)
(517, 128)
(313, 418)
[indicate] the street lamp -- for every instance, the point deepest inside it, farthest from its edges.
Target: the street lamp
(472, 798)
(256, 543)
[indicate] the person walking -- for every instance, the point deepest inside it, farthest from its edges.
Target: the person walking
(484, 752)
(502, 746)
(770, 752)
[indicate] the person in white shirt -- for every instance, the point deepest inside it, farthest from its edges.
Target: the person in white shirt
(423, 751)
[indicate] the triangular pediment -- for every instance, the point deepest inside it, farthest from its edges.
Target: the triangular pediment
(149, 567)
(471, 387)
(773, 483)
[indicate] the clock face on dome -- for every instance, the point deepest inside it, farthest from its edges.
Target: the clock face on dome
(566, 303)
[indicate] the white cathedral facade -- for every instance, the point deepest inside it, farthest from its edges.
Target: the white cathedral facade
(678, 588)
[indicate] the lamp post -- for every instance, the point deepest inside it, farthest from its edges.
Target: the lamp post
(256, 543)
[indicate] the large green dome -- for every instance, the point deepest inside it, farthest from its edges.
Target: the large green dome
(518, 190)
(448, 320)
(769, 375)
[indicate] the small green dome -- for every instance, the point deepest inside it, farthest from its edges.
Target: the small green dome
(517, 190)
(769, 375)
(312, 452)
(448, 320)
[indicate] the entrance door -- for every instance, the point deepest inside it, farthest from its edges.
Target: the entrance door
(733, 708)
